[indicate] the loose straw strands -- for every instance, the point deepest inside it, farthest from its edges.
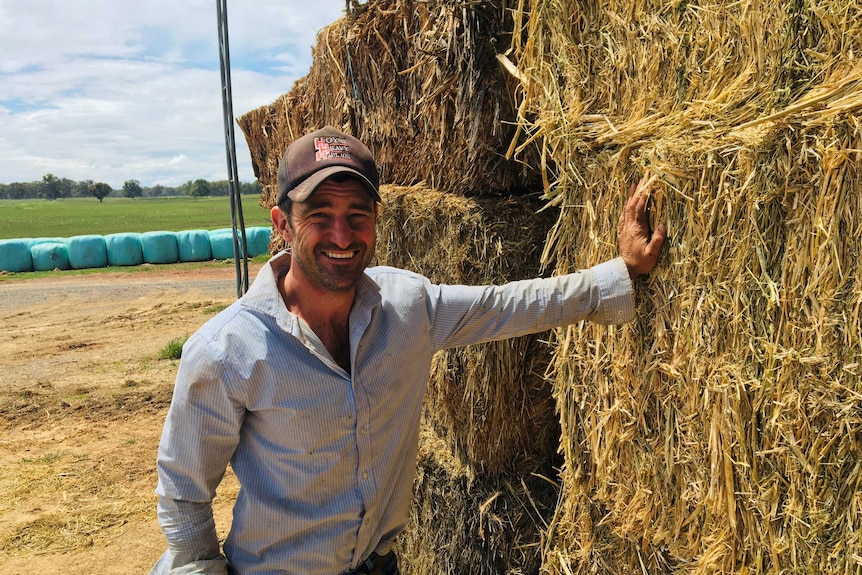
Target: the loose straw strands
(719, 433)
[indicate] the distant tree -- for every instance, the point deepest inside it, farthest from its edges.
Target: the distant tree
(200, 187)
(50, 188)
(247, 188)
(132, 189)
(67, 187)
(81, 189)
(156, 191)
(21, 190)
(219, 188)
(101, 190)
(186, 189)
(26, 189)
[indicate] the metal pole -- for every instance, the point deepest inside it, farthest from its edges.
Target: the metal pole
(240, 245)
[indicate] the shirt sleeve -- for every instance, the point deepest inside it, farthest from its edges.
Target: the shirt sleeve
(467, 315)
(616, 295)
(200, 435)
(193, 546)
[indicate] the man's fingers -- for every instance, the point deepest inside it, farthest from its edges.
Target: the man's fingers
(657, 240)
(639, 196)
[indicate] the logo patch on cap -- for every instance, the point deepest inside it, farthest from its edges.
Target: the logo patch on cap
(331, 148)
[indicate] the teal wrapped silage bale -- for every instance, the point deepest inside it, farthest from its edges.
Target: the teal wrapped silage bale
(49, 256)
(87, 251)
(160, 247)
(194, 246)
(124, 249)
(15, 256)
(258, 240)
(221, 243)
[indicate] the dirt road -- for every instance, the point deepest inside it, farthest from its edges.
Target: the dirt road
(83, 396)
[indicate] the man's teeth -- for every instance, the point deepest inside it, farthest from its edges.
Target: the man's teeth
(340, 255)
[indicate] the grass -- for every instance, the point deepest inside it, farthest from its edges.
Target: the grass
(174, 349)
(46, 459)
(78, 216)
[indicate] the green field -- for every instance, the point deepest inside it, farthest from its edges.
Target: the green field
(79, 216)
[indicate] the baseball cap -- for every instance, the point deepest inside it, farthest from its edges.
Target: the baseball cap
(322, 154)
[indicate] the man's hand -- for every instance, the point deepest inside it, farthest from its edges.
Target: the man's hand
(640, 245)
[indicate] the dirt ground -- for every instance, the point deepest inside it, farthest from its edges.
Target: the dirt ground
(83, 395)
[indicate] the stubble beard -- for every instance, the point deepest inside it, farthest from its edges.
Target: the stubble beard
(337, 279)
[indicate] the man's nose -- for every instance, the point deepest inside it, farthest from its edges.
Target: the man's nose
(341, 233)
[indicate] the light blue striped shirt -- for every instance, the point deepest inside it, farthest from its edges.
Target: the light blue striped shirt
(325, 459)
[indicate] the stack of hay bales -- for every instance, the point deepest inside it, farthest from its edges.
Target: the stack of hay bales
(420, 85)
(722, 431)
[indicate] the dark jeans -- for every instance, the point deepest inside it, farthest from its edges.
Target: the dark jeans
(374, 565)
(378, 565)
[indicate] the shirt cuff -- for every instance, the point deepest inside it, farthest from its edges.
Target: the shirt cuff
(616, 292)
(165, 566)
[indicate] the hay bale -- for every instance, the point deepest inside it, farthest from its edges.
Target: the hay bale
(87, 251)
(221, 243)
(194, 246)
(258, 238)
(720, 432)
(160, 247)
(49, 256)
(419, 84)
(15, 255)
(489, 401)
(459, 525)
(124, 249)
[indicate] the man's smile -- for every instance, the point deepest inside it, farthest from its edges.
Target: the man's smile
(340, 255)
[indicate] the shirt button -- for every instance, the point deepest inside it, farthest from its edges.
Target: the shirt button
(362, 431)
(365, 475)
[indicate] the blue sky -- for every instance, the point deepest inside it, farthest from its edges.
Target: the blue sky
(113, 90)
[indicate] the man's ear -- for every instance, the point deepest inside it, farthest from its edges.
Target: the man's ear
(280, 223)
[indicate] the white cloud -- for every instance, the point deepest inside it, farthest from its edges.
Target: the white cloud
(113, 91)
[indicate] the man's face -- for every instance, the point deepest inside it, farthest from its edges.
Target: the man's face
(332, 234)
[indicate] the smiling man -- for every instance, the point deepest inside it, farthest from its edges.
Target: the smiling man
(311, 384)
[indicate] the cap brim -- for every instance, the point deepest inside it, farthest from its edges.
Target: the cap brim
(301, 192)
